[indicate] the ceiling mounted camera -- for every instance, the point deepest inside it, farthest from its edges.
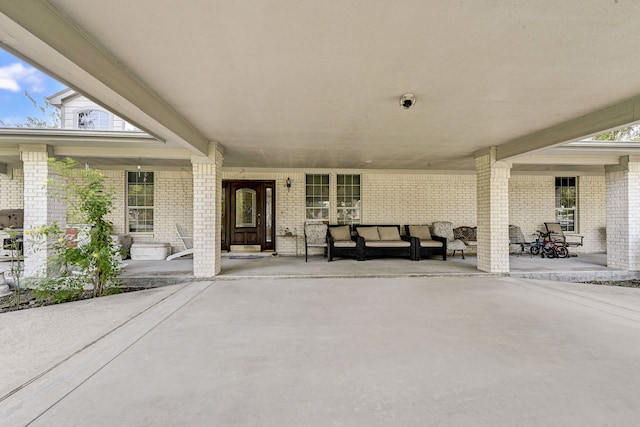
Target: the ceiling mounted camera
(407, 101)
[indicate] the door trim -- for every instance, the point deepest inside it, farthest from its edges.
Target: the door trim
(267, 209)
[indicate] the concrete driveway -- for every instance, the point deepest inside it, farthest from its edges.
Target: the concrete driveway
(329, 352)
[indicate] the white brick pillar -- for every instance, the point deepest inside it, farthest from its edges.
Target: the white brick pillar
(492, 212)
(207, 215)
(41, 205)
(623, 214)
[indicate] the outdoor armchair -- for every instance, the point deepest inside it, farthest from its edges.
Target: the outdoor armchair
(315, 236)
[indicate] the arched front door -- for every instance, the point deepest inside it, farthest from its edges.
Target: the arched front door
(248, 215)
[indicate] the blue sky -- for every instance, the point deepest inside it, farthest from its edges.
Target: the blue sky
(16, 76)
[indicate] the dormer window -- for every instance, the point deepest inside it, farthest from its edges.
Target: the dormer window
(93, 120)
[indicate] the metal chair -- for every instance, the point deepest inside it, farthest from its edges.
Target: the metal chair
(315, 236)
(516, 237)
(558, 236)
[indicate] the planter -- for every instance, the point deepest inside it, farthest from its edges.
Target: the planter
(150, 251)
(4, 286)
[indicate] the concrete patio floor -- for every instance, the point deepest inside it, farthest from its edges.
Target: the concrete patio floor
(387, 351)
(583, 268)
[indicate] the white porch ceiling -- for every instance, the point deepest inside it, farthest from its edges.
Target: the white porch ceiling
(317, 84)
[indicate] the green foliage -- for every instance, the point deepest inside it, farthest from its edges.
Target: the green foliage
(60, 289)
(628, 134)
(17, 264)
(87, 258)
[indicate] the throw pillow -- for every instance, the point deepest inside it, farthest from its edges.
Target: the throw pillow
(389, 233)
(368, 233)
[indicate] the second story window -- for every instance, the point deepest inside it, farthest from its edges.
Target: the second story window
(93, 120)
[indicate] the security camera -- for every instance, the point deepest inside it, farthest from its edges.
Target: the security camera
(407, 101)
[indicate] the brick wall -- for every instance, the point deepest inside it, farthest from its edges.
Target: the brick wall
(173, 205)
(418, 198)
(623, 217)
(618, 225)
(41, 207)
(531, 202)
(12, 190)
(387, 197)
(592, 213)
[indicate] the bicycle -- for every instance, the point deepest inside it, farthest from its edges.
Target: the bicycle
(544, 245)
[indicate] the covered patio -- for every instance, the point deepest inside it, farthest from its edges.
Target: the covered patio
(503, 97)
(584, 268)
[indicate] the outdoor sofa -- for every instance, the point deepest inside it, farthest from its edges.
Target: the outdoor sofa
(376, 241)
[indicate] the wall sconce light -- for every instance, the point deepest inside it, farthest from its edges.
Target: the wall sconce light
(288, 184)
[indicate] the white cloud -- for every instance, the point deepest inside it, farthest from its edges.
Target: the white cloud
(17, 77)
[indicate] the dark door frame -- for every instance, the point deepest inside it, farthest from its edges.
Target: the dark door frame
(267, 189)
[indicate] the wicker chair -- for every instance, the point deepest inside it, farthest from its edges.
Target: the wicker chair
(340, 241)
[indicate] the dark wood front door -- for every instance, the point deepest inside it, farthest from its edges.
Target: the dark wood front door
(249, 214)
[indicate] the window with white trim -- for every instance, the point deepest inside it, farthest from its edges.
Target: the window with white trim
(93, 120)
(317, 197)
(567, 203)
(348, 199)
(140, 190)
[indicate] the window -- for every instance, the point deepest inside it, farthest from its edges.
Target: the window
(348, 192)
(317, 197)
(566, 203)
(93, 119)
(140, 201)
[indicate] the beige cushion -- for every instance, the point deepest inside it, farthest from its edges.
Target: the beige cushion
(443, 229)
(430, 243)
(389, 233)
(420, 231)
(368, 233)
(344, 244)
(340, 233)
(387, 243)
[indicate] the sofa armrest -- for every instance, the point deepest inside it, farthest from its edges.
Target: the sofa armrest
(440, 239)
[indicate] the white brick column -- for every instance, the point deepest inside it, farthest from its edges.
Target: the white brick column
(493, 212)
(41, 206)
(623, 214)
(207, 193)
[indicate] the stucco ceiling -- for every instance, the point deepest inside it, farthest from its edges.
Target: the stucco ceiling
(318, 83)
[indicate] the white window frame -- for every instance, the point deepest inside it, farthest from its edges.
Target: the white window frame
(349, 198)
(131, 208)
(317, 194)
(562, 212)
(104, 116)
